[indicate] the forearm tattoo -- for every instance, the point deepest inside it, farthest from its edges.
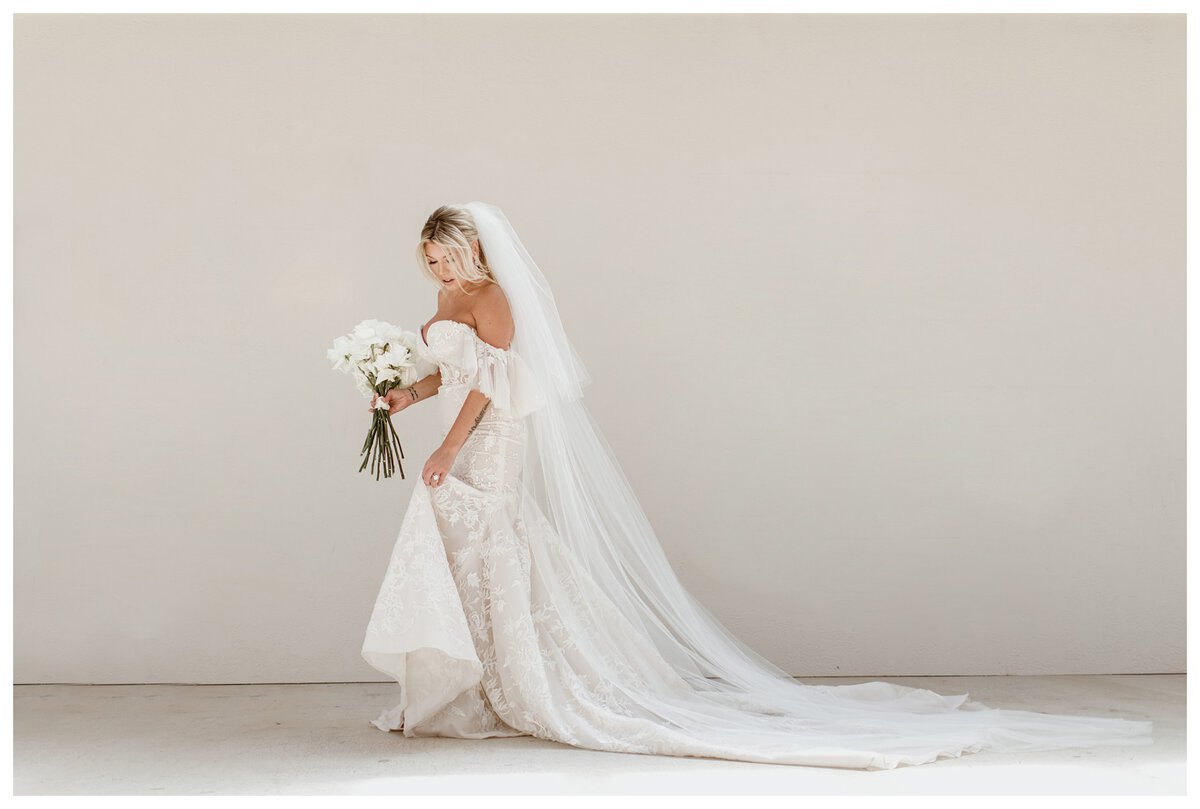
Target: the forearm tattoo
(479, 418)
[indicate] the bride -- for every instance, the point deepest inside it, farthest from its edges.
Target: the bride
(528, 595)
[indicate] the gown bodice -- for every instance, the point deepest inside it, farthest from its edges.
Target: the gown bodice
(468, 362)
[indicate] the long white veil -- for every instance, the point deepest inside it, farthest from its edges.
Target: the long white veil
(572, 476)
(575, 479)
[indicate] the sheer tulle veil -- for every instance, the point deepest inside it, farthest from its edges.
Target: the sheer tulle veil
(572, 478)
(577, 482)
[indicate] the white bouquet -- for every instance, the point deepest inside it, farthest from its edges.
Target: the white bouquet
(380, 357)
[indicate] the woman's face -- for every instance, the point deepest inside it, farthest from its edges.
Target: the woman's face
(439, 264)
(436, 258)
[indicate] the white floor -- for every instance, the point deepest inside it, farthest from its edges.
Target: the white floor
(317, 740)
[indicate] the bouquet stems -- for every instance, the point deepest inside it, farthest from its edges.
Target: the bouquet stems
(382, 449)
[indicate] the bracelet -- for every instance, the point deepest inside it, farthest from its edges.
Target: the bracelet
(414, 393)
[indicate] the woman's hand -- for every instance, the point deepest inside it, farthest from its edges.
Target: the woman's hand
(438, 466)
(397, 399)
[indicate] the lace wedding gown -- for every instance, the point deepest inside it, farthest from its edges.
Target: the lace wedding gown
(492, 627)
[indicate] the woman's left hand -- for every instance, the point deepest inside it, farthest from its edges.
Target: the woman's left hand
(439, 465)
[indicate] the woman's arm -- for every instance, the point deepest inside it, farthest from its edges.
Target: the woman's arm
(422, 389)
(468, 419)
(442, 459)
(494, 325)
(419, 391)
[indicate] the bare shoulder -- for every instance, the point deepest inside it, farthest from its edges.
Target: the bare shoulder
(493, 317)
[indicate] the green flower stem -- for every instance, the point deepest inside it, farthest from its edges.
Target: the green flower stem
(382, 444)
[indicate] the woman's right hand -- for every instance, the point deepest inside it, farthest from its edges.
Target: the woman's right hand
(396, 398)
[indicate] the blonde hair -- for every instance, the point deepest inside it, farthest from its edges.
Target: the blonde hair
(452, 228)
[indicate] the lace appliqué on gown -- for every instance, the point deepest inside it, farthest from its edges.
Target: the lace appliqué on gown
(490, 627)
(463, 621)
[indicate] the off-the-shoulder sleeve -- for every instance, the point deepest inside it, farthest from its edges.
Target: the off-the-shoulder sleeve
(424, 363)
(424, 366)
(502, 376)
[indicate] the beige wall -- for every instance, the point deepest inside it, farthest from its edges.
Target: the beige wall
(885, 316)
